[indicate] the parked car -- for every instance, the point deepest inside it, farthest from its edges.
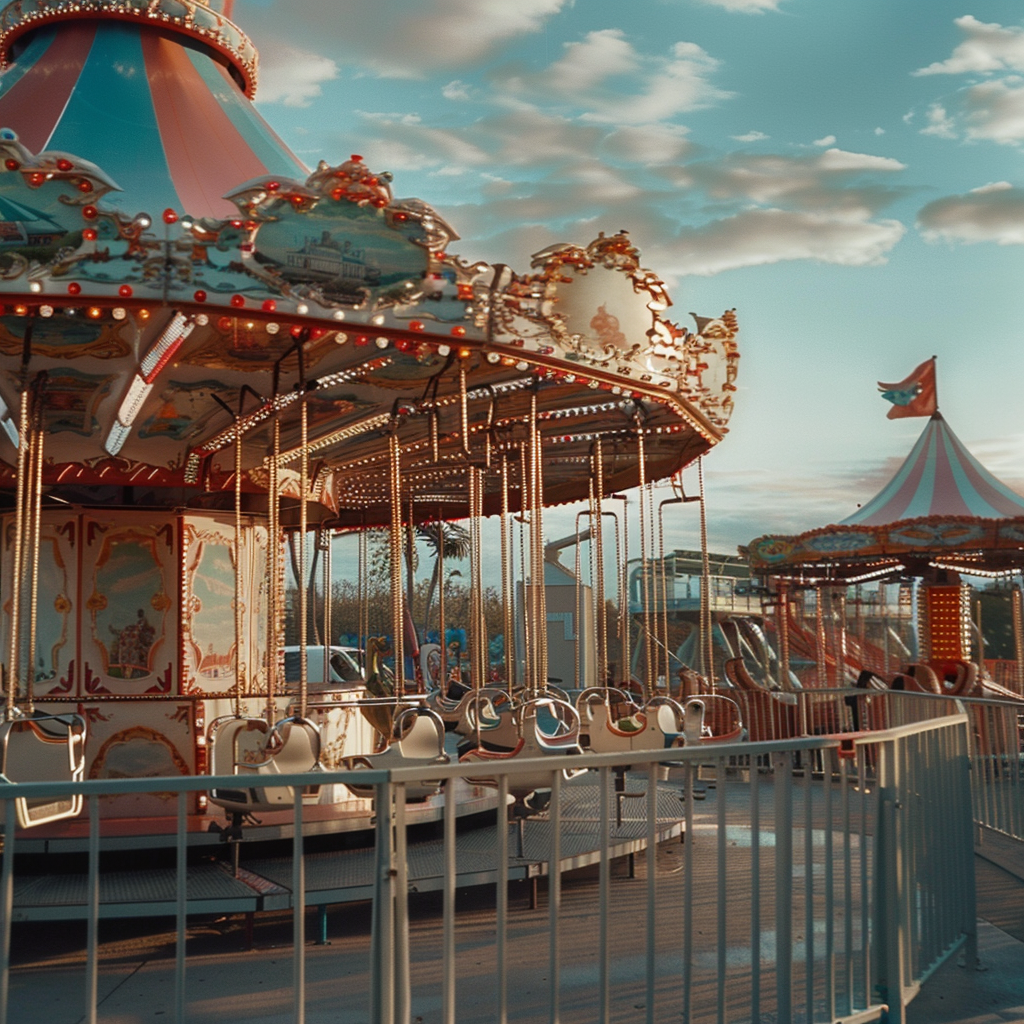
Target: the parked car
(343, 663)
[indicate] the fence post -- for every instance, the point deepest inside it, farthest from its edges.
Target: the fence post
(782, 768)
(6, 904)
(887, 900)
(382, 937)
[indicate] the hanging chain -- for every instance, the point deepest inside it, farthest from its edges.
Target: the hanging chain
(706, 635)
(362, 589)
(644, 567)
(529, 661)
(464, 408)
(537, 537)
(397, 620)
(17, 574)
(597, 544)
(35, 537)
(327, 548)
(239, 575)
(1017, 615)
(303, 527)
(275, 602)
(506, 578)
(820, 650)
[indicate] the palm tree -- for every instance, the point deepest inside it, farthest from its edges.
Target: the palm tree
(445, 540)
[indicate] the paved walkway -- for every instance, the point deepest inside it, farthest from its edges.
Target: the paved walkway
(994, 994)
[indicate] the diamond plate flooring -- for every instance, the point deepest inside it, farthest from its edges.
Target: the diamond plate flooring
(347, 875)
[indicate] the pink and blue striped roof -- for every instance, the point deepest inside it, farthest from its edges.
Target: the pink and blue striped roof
(166, 120)
(940, 477)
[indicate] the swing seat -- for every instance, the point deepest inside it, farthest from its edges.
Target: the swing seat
(43, 748)
(250, 747)
(713, 718)
(547, 727)
(499, 728)
(421, 744)
(666, 723)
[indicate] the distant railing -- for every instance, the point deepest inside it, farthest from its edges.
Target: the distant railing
(819, 879)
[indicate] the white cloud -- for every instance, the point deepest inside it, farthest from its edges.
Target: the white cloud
(841, 160)
(828, 140)
(754, 136)
(991, 213)
(293, 77)
(939, 123)
(879, 131)
(615, 84)
(455, 91)
(386, 37)
(650, 144)
(986, 48)
(756, 237)
(987, 111)
(585, 65)
(994, 111)
(744, 6)
(835, 181)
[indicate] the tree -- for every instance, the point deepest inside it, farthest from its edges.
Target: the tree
(443, 539)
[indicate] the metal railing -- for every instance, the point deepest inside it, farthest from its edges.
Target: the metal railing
(818, 880)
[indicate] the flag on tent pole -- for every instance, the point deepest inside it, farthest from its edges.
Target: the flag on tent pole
(915, 395)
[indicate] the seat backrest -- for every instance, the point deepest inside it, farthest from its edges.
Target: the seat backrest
(924, 677)
(44, 748)
(693, 723)
(233, 742)
(293, 745)
(553, 723)
(425, 737)
(666, 719)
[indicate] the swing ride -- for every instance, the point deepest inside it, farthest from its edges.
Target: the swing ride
(941, 517)
(213, 358)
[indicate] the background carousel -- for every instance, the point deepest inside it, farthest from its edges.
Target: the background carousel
(941, 517)
(205, 347)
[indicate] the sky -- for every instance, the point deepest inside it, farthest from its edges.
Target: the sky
(847, 175)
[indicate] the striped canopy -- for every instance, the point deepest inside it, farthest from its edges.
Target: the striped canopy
(941, 504)
(940, 477)
(181, 134)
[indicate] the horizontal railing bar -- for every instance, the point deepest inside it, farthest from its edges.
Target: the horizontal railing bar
(512, 766)
(369, 777)
(899, 732)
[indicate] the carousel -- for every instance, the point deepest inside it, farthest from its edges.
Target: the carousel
(208, 351)
(942, 517)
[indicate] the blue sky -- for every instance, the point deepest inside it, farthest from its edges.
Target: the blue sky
(846, 173)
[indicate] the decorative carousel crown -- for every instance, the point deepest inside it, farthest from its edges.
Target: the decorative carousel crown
(206, 23)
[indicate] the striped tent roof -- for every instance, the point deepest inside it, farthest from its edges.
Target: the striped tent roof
(940, 477)
(86, 86)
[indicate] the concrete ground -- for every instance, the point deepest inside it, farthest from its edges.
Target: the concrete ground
(225, 980)
(994, 994)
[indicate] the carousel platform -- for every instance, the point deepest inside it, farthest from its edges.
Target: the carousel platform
(264, 883)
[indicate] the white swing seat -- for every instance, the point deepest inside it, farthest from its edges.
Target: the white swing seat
(44, 748)
(419, 745)
(556, 733)
(251, 748)
(498, 725)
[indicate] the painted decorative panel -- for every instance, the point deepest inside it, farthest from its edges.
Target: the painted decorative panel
(138, 739)
(208, 622)
(208, 618)
(129, 588)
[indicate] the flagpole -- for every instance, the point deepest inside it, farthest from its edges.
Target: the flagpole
(935, 377)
